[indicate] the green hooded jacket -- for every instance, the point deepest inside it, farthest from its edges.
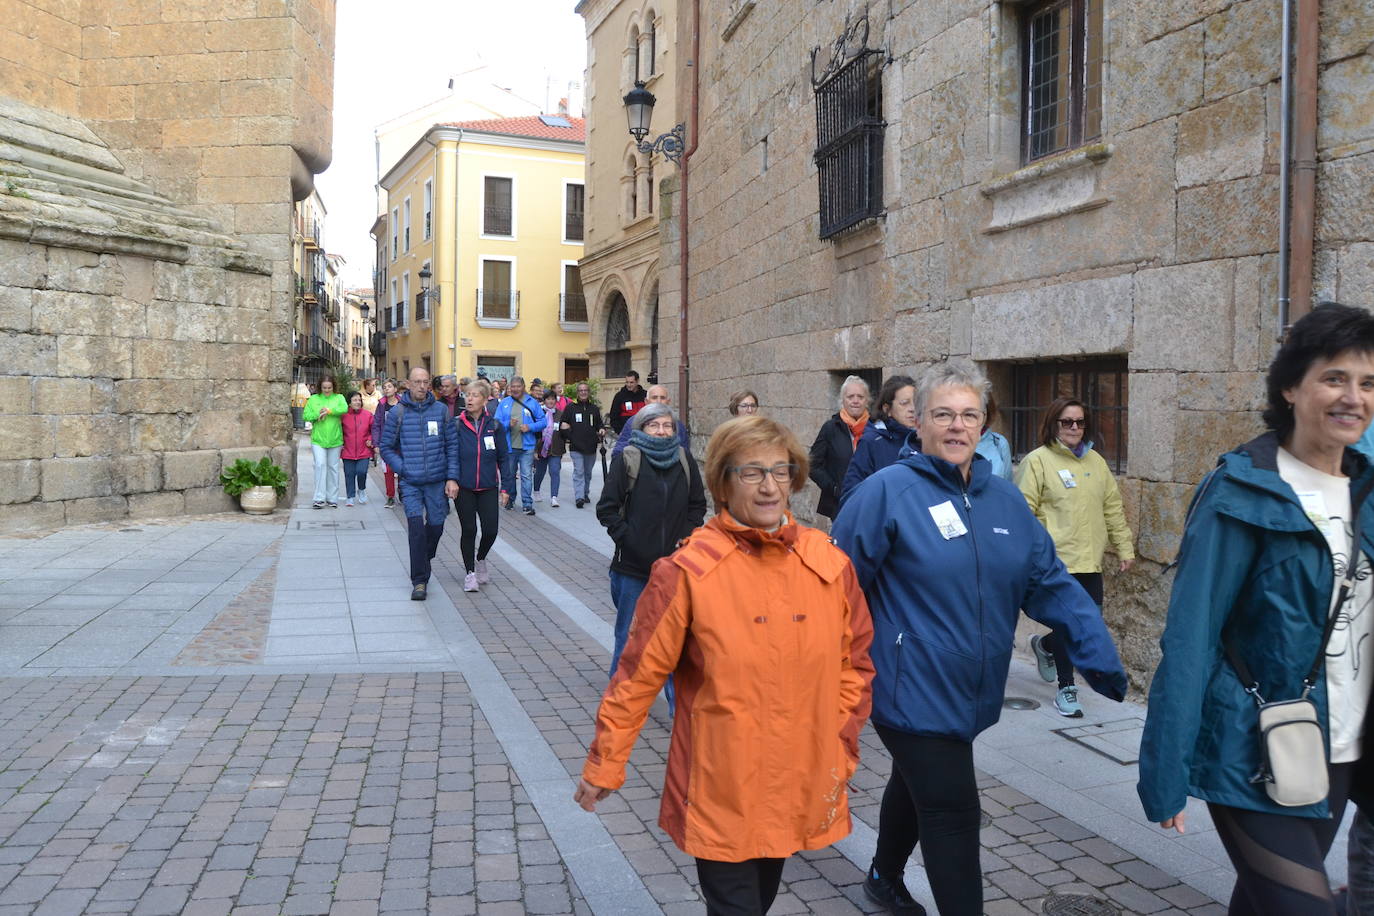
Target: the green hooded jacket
(326, 432)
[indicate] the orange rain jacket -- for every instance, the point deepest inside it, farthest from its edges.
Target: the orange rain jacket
(767, 637)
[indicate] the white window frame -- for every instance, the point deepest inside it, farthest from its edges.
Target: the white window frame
(396, 313)
(405, 297)
(498, 323)
(514, 208)
(563, 229)
(574, 327)
(429, 209)
(405, 224)
(395, 233)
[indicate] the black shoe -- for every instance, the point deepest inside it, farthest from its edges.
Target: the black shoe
(510, 505)
(419, 592)
(529, 510)
(390, 502)
(579, 503)
(891, 894)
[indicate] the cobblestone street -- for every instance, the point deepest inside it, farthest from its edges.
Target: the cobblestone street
(228, 715)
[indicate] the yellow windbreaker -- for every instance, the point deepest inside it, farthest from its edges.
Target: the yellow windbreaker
(1081, 511)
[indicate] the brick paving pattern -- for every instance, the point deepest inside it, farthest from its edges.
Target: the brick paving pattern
(238, 634)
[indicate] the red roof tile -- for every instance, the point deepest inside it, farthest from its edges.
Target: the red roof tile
(529, 127)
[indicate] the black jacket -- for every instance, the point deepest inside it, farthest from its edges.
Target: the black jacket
(660, 510)
(583, 419)
(482, 451)
(620, 414)
(830, 456)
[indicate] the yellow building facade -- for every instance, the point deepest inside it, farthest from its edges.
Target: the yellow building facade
(493, 212)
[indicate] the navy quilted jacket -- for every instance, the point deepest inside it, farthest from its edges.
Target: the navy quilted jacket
(415, 450)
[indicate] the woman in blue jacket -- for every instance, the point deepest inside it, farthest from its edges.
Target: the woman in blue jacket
(947, 555)
(885, 439)
(482, 454)
(1267, 539)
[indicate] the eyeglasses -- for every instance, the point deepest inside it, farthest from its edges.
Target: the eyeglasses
(1071, 422)
(942, 416)
(782, 472)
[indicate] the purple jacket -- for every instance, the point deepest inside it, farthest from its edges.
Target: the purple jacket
(379, 423)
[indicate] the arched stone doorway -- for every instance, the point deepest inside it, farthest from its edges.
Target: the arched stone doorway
(617, 336)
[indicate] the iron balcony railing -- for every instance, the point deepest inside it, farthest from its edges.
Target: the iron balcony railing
(572, 307)
(316, 347)
(501, 304)
(574, 228)
(421, 306)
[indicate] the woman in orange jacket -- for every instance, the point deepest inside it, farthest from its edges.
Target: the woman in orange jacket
(766, 631)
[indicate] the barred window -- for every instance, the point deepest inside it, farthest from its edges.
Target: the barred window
(1061, 78)
(498, 206)
(849, 143)
(617, 337)
(1099, 383)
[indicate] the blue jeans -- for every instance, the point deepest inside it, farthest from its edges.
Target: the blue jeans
(554, 466)
(326, 472)
(583, 465)
(426, 508)
(625, 592)
(355, 476)
(523, 460)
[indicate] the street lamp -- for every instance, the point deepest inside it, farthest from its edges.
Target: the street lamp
(364, 308)
(426, 292)
(639, 109)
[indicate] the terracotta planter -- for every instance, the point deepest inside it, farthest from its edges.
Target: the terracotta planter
(258, 500)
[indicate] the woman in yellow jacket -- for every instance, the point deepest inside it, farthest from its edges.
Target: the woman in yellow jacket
(763, 625)
(1073, 493)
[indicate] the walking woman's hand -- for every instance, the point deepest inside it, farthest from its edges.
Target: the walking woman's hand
(1175, 822)
(587, 795)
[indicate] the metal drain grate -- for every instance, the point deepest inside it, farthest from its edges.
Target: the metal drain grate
(1020, 703)
(330, 526)
(1077, 905)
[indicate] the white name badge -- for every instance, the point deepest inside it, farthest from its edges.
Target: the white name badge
(489, 442)
(577, 418)
(1314, 505)
(1067, 476)
(947, 520)
(629, 405)
(433, 427)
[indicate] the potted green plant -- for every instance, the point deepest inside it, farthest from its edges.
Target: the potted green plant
(257, 484)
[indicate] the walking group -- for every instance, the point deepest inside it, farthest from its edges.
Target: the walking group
(776, 643)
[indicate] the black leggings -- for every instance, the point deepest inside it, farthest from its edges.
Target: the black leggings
(932, 796)
(739, 888)
(1053, 644)
(1280, 860)
(470, 506)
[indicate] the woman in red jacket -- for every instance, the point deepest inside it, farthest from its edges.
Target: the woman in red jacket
(357, 448)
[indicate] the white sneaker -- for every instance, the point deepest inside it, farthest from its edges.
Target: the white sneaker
(362, 499)
(538, 497)
(553, 501)
(470, 582)
(349, 502)
(483, 577)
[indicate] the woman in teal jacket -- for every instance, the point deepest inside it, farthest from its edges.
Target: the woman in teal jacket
(324, 412)
(1268, 532)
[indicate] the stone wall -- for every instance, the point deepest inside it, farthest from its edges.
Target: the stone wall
(136, 340)
(151, 153)
(1157, 242)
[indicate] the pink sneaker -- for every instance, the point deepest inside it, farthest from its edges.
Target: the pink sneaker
(470, 582)
(483, 577)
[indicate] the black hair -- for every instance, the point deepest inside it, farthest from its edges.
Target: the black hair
(888, 393)
(1323, 333)
(632, 374)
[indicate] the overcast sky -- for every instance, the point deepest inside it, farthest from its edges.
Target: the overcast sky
(393, 56)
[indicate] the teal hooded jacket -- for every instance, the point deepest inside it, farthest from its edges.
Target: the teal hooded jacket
(1252, 566)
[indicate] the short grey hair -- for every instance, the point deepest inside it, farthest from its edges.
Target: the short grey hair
(952, 373)
(854, 380)
(445, 379)
(653, 412)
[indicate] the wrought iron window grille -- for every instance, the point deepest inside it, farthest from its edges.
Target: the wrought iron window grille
(849, 130)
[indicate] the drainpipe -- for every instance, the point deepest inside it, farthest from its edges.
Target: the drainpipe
(1285, 160)
(457, 234)
(1304, 151)
(684, 371)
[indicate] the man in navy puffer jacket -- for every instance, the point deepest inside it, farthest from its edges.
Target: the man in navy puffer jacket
(420, 443)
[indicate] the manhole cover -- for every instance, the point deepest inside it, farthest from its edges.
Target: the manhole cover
(122, 530)
(1118, 739)
(332, 526)
(1020, 703)
(1078, 905)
